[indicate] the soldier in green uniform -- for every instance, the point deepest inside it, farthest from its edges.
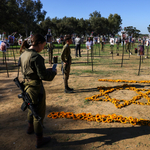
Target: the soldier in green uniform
(34, 71)
(66, 60)
(128, 45)
(50, 47)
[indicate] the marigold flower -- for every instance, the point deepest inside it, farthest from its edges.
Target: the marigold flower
(123, 120)
(89, 119)
(98, 120)
(55, 116)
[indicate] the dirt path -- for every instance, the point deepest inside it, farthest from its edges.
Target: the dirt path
(68, 134)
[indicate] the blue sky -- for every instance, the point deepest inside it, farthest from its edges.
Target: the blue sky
(133, 12)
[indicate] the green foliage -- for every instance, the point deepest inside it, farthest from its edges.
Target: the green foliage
(27, 16)
(21, 16)
(114, 22)
(148, 28)
(132, 30)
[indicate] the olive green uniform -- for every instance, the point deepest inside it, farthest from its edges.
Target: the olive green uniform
(66, 58)
(34, 71)
(50, 47)
(128, 46)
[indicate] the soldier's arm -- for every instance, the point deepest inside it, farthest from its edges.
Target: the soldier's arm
(53, 46)
(64, 55)
(42, 72)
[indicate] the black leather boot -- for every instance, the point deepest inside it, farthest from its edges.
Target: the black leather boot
(68, 90)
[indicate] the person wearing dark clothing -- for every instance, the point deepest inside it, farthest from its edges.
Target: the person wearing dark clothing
(77, 44)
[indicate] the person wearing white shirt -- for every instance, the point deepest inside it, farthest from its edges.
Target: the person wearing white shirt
(58, 40)
(89, 43)
(77, 44)
(147, 47)
(112, 41)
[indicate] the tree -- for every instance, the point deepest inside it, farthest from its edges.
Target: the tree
(95, 14)
(30, 14)
(47, 24)
(132, 31)
(148, 28)
(81, 27)
(88, 27)
(95, 22)
(3, 10)
(114, 22)
(8, 19)
(70, 25)
(27, 16)
(104, 26)
(21, 16)
(58, 26)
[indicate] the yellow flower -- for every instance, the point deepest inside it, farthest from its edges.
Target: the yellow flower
(55, 116)
(98, 120)
(123, 120)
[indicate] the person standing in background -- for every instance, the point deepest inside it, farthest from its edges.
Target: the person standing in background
(66, 62)
(111, 44)
(89, 43)
(50, 47)
(78, 45)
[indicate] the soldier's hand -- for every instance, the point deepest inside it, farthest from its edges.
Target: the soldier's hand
(50, 69)
(56, 71)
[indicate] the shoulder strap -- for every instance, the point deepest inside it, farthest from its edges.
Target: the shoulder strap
(19, 64)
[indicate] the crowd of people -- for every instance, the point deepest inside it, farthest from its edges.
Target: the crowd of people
(129, 43)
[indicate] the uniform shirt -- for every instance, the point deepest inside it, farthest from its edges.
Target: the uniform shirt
(50, 46)
(66, 53)
(33, 66)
